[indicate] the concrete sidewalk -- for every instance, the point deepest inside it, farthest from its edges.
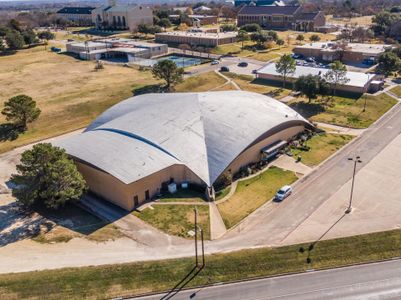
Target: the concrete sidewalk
(217, 226)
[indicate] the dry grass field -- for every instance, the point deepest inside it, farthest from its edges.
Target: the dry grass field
(361, 21)
(69, 92)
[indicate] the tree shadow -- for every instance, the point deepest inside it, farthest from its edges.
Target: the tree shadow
(147, 89)
(8, 52)
(307, 110)
(19, 223)
(9, 132)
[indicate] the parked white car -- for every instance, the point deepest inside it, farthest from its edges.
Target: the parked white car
(283, 193)
(215, 62)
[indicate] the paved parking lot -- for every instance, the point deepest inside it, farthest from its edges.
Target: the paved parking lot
(376, 202)
(234, 68)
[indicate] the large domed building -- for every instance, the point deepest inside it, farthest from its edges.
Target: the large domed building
(136, 148)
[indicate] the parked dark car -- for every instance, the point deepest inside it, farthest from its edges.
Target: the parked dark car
(243, 64)
(297, 56)
(55, 49)
(310, 59)
(224, 69)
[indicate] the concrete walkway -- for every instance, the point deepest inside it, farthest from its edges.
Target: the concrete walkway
(340, 129)
(288, 163)
(229, 80)
(217, 226)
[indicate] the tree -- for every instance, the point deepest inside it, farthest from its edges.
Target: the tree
(383, 21)
(361, 34)
(314, 38)
(260, 38)
(46, 176)
(280, 42)
(389, 63)
(165, 22)
(2, 46)
(286, 66)
(300, 37)
(273, 35)
(336, 75)
(14, 40)
(29, 37)
(242, 37)
(168, 71)
(46, 35)
(309, 86)
(228, 27)
(21, 110)
(253, 27)
(184, 47)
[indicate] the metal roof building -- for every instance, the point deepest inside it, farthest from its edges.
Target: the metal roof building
(133, 148)
(357, 82)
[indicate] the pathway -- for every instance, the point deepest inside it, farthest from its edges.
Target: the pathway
(217, 226)
(229, 80)
(340, 129)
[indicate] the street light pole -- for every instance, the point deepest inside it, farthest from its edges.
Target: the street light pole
(356, 160)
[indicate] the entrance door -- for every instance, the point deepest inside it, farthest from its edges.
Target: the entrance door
(136, 201)
(147, 196)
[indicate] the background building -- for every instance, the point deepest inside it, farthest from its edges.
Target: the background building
(281, 17)
(208, 39)
(127, 49)
(349, 52)
(137, 148)
(358, 82)
(80, 16)
(121, 17)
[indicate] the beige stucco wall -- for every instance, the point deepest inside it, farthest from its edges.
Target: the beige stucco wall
(121, 194)
(253, 153)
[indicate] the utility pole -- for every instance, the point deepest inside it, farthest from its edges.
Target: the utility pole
(196, 235)
(198, 228)
(356, 160)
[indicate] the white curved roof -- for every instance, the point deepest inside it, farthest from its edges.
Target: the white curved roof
(204, 131)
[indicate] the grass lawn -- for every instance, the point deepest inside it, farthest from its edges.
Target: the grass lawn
(184, 195)
(74, 222)
(321, 147)
(266, 55)
(346, 111)
(110, 281)
(252, 193)
(69, 91)
(250, 84)
(397, 91)
(176, 219)
(201, 83)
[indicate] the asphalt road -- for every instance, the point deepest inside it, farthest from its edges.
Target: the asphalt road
(271, 224)
(370, 281)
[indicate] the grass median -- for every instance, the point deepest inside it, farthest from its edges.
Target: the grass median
(397, 91)
(110, 281)
(253, 193)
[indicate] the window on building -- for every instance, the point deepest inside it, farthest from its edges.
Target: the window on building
(124, 24)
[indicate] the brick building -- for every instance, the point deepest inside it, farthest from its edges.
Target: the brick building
(281, 17)
(78, 15)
